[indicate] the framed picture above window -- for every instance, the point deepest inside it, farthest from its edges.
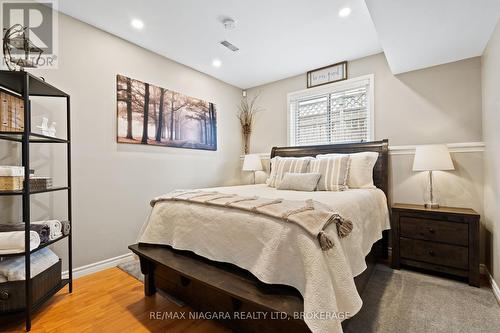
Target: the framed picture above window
(327, 74)
(336, 113)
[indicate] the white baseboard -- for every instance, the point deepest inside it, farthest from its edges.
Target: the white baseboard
(494, 286)
(98, 266)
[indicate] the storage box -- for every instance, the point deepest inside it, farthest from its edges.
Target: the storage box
(11, 113)
(11, 178)
(40, 183)
(12, 295)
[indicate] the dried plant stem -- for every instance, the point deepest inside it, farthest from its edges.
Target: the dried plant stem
(246, 114)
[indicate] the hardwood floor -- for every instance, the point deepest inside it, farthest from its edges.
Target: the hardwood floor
(110, 301)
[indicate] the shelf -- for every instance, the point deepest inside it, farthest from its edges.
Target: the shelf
(34, 250)
(14, 81)
(33, 137)
(24, 85)
(20, 192)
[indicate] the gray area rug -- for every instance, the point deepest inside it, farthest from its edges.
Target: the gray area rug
(405, 301)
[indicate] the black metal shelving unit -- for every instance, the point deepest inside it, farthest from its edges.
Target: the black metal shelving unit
(24, 85)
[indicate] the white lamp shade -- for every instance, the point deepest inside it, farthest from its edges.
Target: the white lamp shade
(252, 162)
(432, 158)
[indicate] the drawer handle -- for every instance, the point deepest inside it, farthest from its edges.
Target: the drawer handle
(431, 253)
(431, 231)
(4, 295)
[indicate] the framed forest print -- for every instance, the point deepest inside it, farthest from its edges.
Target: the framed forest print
(152, 115)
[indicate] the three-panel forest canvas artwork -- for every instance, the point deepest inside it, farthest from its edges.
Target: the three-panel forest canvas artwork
(151, 115)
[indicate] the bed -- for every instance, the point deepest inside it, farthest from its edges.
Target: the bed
(257, 275)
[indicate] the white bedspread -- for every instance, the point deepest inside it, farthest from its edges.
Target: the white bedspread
(277, 252)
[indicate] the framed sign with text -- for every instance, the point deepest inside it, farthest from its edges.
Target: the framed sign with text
(327, 74)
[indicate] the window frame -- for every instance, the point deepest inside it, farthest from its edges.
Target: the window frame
(332, 88)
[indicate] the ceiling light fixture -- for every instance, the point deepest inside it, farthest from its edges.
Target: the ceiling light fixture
(344, 12)
(216, 63)
(229, 23)
(138, 24)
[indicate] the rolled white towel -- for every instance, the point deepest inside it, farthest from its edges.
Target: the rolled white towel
(13, 241)
(13, 268)
(55, 227)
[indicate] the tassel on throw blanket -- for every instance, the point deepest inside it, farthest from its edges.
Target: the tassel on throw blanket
(54, 226)
(42, 230)
(13, 241)
(312, 216)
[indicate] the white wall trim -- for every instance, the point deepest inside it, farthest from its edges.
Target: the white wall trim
(494, 286)
(98, 266)
(462, 147)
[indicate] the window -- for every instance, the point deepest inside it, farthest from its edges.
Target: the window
(335, 113)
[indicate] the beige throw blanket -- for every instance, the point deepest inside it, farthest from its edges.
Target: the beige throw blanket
(310, 215)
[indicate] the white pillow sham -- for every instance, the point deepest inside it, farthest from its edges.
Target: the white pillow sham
(360, 170)
(282, 165)
(334, 171)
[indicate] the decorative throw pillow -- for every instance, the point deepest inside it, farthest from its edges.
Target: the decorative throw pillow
(360, 170)
(299, 181)
(333, 170)
(281, 165)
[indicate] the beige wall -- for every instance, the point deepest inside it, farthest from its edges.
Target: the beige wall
(437, 104)
(113, 183)
(441, 104)
(491, 120)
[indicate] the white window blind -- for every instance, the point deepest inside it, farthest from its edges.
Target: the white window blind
(340, 113)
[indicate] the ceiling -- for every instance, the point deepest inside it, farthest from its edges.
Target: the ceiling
(282, 38)
(277, 39)
(424, 33)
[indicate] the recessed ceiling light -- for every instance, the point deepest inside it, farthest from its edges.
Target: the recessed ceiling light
(138, 24)
(344, 12)
(216, 63)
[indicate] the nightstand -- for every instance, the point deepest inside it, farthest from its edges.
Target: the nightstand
(441, 239)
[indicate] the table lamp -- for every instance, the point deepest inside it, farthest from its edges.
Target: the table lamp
(253, 163)
(432, 158)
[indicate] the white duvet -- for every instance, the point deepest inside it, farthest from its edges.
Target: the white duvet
(281, 253)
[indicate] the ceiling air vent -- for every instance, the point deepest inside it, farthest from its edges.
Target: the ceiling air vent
(229, 46)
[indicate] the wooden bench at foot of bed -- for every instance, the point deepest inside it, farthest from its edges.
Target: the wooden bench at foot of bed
(215, 287)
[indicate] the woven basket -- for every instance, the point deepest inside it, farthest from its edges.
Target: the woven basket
(9, 183)
(11, 113)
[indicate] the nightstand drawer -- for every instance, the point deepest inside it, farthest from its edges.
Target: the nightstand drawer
(435, 253)
(434, 230)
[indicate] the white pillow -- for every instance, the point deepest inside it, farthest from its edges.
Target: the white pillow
(360, 170)
(333, 170)
(281, 165)
(299, 181)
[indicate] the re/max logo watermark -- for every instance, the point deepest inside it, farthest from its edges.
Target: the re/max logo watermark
(29, 33)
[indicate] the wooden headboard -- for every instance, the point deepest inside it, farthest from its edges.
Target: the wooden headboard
(380, 170)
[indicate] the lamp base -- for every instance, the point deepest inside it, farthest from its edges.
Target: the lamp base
(431, 205)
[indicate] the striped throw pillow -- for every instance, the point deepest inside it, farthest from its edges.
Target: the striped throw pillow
(282, 165)
(334, 172)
